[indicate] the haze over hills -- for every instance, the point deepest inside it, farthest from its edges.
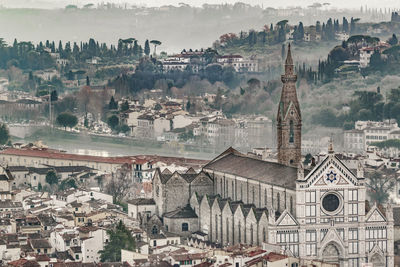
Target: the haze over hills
(176, 27)
(149, 3)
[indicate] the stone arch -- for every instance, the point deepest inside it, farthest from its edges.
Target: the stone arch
(332, 252)
(377, 260)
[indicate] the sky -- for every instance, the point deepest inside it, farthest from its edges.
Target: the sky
(265, 3)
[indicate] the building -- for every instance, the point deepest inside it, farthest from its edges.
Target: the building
(239, 63)
(366, 133)
(39, 157)
(317, 214)
(289, 118)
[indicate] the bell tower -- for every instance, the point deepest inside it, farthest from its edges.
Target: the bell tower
(289, 118)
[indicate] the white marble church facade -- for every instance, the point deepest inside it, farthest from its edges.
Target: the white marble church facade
(332, 222)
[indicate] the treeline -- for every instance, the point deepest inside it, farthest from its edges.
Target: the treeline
(276, 34)
(23, 55)
(26, 55)
(349, 50)
(367, 105)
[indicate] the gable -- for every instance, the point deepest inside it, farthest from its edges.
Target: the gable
(176, 179)
(291, 112)
(375, 216)
(250, 216)
(202, 179)
(331, 172)
(286, 219)
(204, 203)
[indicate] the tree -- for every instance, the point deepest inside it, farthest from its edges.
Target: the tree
(120, 238)
(51, 178)
(345, 25)
(54, 96)
(124, 106)
(380, 186)
(113, 122)
(120, 184)
(393, 40)
(158, 107)
(147, 48)
(66, 119)
(112, 104)
(155, 43)
(4, 134)
(307, 159)
(125, 129)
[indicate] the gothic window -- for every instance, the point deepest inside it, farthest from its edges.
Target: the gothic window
(233, 195)
(291, 132)
(185, 227)
(253, 194)
(216, 227)
(227, 230)
(291, 205)
(251, 234)
(278, 201)
(264, 235)
(240, 232)
(241, 191)
(265, 197)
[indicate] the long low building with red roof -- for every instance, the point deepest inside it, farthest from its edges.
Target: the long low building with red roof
(36, 157)
(39, 157)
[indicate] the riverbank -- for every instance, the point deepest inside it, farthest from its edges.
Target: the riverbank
(88, 144)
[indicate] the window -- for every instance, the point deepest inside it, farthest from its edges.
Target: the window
(311, 249)
(185, 227)
(311, 236)
(353, 234)
(265, 197)
(154, 230)
(310, 197)
(278, 200)
(353, 247)
(353, 262)
(353, 209)
(291, 204)
(310, 211)
(353, 195)
(291, 133)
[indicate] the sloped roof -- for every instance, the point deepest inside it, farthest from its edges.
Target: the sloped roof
(40, 243)
(235, 163)
(188, 176)
(142, 201)
(185, 212)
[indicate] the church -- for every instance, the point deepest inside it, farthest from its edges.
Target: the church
(319, 213)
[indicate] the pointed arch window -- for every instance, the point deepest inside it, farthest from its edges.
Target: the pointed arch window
(278, 200)
(291, 204)
(291, 132)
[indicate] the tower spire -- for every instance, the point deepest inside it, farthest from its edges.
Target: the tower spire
(289, 59)
(289, 62)
(289, 117)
